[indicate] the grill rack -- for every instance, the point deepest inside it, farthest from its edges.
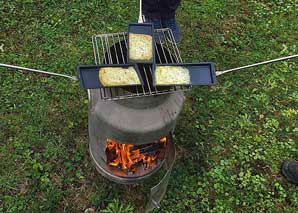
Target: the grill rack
(112, 49)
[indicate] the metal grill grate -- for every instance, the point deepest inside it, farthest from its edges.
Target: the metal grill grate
(112, 49)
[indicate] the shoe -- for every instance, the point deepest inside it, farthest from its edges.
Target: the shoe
(158, 36)
(172, 24)
(290, 170)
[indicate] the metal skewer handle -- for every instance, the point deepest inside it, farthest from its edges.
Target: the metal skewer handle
(257, 64)
(39, 71)
(141, 17)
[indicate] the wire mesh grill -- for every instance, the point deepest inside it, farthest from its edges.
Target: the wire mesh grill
(112, 49)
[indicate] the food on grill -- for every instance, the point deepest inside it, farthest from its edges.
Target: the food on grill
(171, 75)
(140, 47)
(118, 76)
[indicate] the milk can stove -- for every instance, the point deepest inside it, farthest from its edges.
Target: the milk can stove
(131, 129)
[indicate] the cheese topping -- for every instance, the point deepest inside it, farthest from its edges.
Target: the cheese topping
(140, 47)
(171, 75)
(118, 76)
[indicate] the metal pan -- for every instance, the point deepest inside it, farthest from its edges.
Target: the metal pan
(88, 75)
(201, 74)
(142, 29)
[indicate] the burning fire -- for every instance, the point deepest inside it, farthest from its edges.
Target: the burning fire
(127, 156)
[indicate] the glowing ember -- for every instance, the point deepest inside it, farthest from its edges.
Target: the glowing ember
(127, 156)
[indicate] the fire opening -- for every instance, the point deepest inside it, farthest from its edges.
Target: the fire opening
(129, 158)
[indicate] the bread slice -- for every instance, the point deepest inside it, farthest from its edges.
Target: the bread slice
(172, 75)
(118, 76)
(140, 47)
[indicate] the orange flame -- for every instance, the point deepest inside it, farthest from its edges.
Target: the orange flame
(126, 156)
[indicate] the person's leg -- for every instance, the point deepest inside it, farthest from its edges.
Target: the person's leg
(151, 11)
(168, 20)
(290, 170)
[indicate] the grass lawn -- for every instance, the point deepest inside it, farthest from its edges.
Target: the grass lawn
(231, 138)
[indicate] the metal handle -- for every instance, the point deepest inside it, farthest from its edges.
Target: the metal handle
(39, 71)
(257, 64)
(141, 17)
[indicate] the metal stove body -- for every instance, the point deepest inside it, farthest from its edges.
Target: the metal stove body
(138, 121)
(138, 115)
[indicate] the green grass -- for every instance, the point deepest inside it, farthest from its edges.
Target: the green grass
(231, 138)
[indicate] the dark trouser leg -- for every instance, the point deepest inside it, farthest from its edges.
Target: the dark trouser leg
(151, 8)
(168, 12)
(168, 8)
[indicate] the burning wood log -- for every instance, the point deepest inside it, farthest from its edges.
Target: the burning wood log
(128, 157)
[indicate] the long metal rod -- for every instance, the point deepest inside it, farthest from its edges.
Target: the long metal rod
(257, 64)
(141, 18)
(39, 71)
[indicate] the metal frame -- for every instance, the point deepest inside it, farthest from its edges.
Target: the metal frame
(164, 37)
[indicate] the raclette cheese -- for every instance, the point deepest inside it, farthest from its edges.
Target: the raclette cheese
(118, 76)
(140, 47)
(172, 75)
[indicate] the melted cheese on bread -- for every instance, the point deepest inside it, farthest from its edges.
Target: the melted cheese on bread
(171, 75)
(140, 47)
(118, 76)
